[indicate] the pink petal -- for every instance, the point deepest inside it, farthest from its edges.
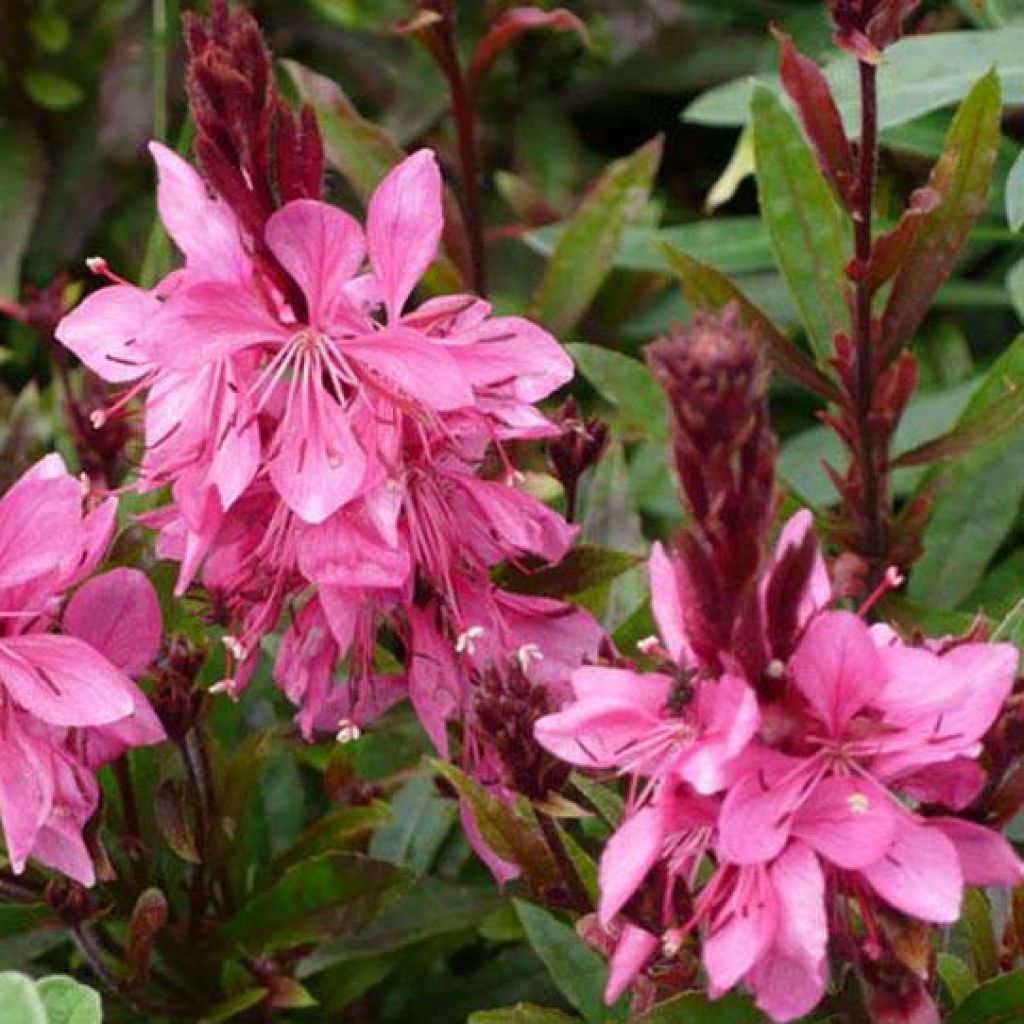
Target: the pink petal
(321, 247)
(986, 858)
(103, 329)
(403, 363)
(849, 820)
(202, 227)
(631, 852)
(403, 227)
(62, 680)
(26, 792)
(920, 874)
(205, 322)
(448, 316)
(919, 683)
(758, 811)
(729, 720)
(635, 948)
(344, 552)
(667, 605)
(956, 784)
(118, 614)
(40, 518)
(434, 680)
(837, 668)
(742, 930)
(319, 465)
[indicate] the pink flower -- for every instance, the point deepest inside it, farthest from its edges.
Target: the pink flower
(67, 703)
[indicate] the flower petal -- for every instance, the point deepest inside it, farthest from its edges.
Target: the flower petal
(631, 852)
(986, 858)
(26, 792)
(632, 952)
(403, 227)
(742, 931)
(667, 604)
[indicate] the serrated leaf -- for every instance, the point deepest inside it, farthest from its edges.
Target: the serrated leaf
(708, 288)
(961, 178)
(920, 74)
(999, 1001)
(575, 968)
(336, 893)
(804, 223)
(974, 500)
(586, 251)
(66, 1001)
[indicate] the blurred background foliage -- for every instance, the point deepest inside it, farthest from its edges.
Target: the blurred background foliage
(565, 137)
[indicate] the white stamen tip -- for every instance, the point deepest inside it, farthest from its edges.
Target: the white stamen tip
(515, 478)
(776, 669)
(650, 645)
(527, 654)
(96, 264)
(348, 731)
(465, 643)
(227, 687)
(98, 418)
(858, 803)
(671, 942)
(894, 577)
(235, 647)
(85, 484)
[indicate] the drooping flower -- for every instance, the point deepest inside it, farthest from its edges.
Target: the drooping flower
(67, 701)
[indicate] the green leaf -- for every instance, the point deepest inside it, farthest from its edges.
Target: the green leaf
(919, 74)
(523, 1013)
(235, 1005)
(974, 501)
(584, 255)
(804, 223)
(20, 1001)
(361, 151)
(734, 245)
(999, 1001)
(576, 969)
(420, 823)
(956, 976)
(68, 1002)
(961, 177)
(583, 568)
(50, 90)
(1015, 286)
(707, 288)
(334, 830)
(627, 384)
(696, 1008)
(328, 895)
(22, 179)
(1015, 194)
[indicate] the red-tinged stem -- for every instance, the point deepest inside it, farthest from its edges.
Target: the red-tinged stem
(574, 884)
(873, 541)
(464, 114)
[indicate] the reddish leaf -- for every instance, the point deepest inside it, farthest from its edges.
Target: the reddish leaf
(510, 26)
(809, 90)
(890, 250)
(148, 919)
(961, 176)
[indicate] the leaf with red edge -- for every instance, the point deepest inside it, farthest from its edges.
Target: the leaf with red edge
(961, 176)
(507, 28)
(809, 90)
(890, 249)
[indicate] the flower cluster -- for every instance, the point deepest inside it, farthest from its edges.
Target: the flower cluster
(336, 457)
(793, 772)
(68, 703)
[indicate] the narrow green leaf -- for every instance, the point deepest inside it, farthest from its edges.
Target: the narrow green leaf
(956, 976)
(328, 895)
(333, 831)
(1015, 194)
(523, 1013)
(707, 288)
(22, 179)
(577, 970)
(999, 1001)
(696, 1008)
(583, 568)
(68, 1002)
(804, 223)
(627, 384)
(20, 1001)
(919, 74)
(235, 1005)
(974, 501)
(1015, 286)
(961, 176)
(586, 251)
(52, 91)
(420, 821)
